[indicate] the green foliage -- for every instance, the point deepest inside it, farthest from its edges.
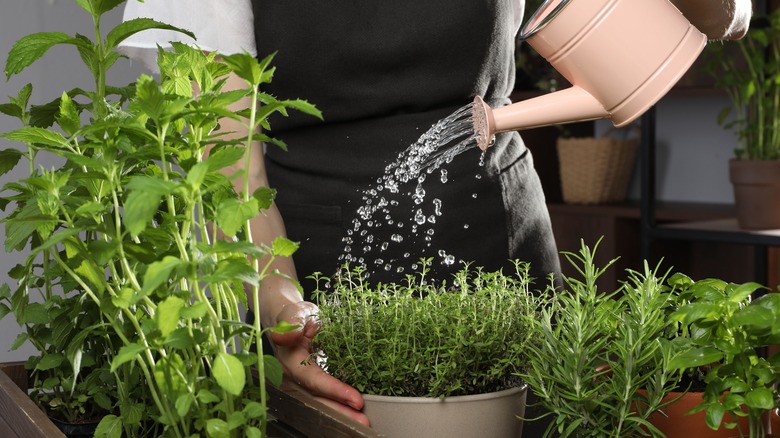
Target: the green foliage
(727, 330)
(131, 297)
(426, 340)
(600, 366)
(749, 71)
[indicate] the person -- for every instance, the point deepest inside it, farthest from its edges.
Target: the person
(382, 73)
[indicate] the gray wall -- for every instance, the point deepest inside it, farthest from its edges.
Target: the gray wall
(693, 150)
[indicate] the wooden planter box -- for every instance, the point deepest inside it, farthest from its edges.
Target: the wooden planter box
(19, 416)
(297, 414)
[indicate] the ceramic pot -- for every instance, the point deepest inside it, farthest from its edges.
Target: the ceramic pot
(493, 415)
(756, 193)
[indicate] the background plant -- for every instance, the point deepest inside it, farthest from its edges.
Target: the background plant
(421, 339)
(749, 71)
(600, 366)
(130, 294)
(729, 333)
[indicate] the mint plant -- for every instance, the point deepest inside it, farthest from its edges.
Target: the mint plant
(601, 363)
(130, 292)
(422, 339)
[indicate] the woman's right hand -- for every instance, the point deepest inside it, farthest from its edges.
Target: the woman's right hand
(293, 349)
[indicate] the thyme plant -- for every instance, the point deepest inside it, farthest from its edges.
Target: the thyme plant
(130, 293)
(422, 339)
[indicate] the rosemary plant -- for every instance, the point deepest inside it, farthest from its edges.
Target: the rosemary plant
(601, 365)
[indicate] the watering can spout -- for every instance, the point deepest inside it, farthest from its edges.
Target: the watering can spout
(570, 105)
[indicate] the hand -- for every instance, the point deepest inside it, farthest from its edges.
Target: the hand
(292, 350)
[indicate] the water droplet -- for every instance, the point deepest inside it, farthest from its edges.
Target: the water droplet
(406, 255)
(419, 217)
(429, 232)
(444, 176)
(399, 269)
(385, 245)
(474, 195)
(432, 219)
(388, 267)
(465, 226)
(397, 238)
(478, 176)
(367, 248)
(437, 206)
(419, 195)
(449, 260)
(442, 253)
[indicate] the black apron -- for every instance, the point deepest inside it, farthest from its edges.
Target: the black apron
(382, 73)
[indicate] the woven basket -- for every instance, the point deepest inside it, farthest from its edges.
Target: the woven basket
(596, 170)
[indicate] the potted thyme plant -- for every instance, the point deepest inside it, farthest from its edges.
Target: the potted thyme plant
(129, 292)
(749, 71)
(419, 346)
(728, 332)
(600, 366)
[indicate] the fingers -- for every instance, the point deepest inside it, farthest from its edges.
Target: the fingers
(303, 314)
(346, 411)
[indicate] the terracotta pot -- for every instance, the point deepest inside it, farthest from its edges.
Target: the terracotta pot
(493, 415)
(678, 425)
(756, 193)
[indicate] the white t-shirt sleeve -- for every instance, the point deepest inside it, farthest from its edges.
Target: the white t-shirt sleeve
(225, 26)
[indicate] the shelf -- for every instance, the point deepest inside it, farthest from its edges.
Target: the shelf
(720, 230)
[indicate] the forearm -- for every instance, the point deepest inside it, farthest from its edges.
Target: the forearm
(718, 19)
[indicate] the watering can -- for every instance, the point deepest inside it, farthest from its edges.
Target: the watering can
(621, 57)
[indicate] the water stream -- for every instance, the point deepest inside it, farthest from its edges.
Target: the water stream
(382, 221)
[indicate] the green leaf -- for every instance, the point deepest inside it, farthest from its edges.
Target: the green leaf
(149, 97)
(110, 426)
(4, 310)
(283, 247)
(68, 118)
(128, 28)
(265, 197)
(273, 369)
(126, 354)
(233, 214)
(93, 274)
(234, 269)
(180, 338)
(246, 67)
(205, 396)
(140, 208)
(217, 428)
(760, 398)
(253, 432)
(35, 313)
(714, 415)
(229, 373)
(223, 158)
(21, 338)
(8, 160)
(167, 315)
(159, 273)
(254, 409)
(304, 107)
(197, 175)
(696, 358)
(184, 403)
(30, 48)
(49, 361)
(196, 310)
(284, 327)
(37, 136)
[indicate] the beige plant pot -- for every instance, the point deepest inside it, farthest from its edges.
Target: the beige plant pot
(494, 415)
(756, 193)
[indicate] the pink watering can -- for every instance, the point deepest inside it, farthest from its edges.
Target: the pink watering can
(621, 57)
